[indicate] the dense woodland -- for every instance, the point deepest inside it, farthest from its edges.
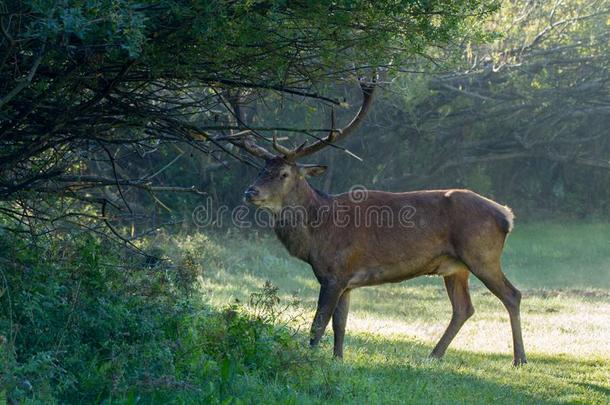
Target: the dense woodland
(109, 120)
(118, 118)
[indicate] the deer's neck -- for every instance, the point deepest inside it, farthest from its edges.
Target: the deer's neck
(304, 211)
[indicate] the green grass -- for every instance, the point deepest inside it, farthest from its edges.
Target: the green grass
(552, 255)
(563, 271)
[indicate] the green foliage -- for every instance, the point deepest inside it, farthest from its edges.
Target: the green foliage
(81, 325)
(210, 40)
(519, 119)
(112, 93)
(78, 324)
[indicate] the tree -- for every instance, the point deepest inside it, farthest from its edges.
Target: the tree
(523, 118)
(96, 96)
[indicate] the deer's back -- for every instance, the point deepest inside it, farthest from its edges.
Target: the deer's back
(387, 237)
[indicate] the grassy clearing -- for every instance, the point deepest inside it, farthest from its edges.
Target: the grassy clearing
(79, 324)
(562, 269)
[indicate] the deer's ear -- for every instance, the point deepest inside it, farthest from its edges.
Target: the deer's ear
(312, 170)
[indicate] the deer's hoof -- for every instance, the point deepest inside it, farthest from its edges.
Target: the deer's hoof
(519, 361)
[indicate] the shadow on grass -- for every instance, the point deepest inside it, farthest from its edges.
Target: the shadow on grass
(605, 391)
(381, 370)
(388, 369)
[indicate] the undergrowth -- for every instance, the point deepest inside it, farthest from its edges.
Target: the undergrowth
(195, 322)
(81, 324)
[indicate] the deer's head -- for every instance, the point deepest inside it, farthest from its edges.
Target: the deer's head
(282, 177)
(278, 181)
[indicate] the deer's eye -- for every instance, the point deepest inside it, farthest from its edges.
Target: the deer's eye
(284, 175)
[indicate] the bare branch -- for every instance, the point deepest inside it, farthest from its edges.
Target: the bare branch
(26, 81)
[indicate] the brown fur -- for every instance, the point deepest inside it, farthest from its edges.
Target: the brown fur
(451, 233)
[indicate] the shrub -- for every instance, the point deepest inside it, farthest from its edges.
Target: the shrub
(79, 323)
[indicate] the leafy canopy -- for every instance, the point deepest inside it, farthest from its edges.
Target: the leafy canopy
(90, 88)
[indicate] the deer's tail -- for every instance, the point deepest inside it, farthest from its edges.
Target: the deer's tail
(505, 217)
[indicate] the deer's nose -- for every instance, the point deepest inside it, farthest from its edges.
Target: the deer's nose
(251, 192)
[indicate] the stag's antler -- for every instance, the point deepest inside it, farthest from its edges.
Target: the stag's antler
(254, 149)
(334, 135)
(337, 135)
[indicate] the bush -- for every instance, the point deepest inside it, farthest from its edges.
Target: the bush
(79, 323)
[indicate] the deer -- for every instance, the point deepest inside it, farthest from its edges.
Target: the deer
(450, 233)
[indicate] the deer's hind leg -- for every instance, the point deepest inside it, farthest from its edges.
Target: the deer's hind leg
(481, 250)
(456, 284)
(492, 276)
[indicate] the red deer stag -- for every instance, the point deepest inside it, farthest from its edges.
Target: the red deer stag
(450, 233)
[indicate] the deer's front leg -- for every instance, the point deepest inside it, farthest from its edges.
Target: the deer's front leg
(330, 292)
(339, 322)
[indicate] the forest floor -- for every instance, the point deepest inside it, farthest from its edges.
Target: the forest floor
(563, 271)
